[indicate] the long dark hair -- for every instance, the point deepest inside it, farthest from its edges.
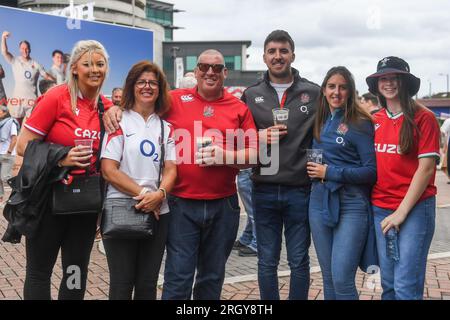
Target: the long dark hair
(409, 109)
(353, 112)
(163, 101)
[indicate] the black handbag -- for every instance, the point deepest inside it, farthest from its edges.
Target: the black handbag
(81, 194)
(120, 218)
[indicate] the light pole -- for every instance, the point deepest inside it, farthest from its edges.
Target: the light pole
(429, 83)
(446, 75)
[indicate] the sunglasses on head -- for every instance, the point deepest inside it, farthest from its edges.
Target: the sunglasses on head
(216, 68)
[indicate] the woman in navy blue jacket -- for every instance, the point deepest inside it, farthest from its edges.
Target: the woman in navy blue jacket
(339, 206)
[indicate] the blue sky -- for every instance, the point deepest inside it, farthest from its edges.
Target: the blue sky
(125, 45)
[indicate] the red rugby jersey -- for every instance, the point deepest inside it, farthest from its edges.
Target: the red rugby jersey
(394, 170)
(53, 119)
(213, 118)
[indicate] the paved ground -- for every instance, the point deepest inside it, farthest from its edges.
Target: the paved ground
(240, 282)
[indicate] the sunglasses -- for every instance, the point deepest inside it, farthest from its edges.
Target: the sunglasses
(216, 68)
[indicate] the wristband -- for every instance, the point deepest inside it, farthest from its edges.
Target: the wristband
(164, 192)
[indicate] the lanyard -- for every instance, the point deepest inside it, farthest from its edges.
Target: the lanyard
(283, 99)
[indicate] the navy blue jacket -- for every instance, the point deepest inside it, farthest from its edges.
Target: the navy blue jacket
(349, 152)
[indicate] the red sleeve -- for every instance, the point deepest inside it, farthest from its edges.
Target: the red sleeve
(428, 145)
(249, 127)
(44, 113)
(106, 103)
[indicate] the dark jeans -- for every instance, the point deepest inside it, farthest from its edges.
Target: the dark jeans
(275, 207)
(134, 264)
(74, 235)
(201, 237)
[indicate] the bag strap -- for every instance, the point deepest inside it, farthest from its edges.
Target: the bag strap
(163, 153)
(101, 111)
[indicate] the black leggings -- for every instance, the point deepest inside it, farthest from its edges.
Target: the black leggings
(74, 235)
(135, 264)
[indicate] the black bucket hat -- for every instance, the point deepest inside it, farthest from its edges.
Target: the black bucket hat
(391, 65)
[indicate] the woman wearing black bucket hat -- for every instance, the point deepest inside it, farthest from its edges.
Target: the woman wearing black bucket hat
(403, 199)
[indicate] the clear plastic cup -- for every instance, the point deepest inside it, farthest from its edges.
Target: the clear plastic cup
(84, 142)
(203, 142)
(280, 116)
(314, 155)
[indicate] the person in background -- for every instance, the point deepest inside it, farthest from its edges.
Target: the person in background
(65, 113)
(9, 128)
(246, 244)
(445, 130)
(116, 96)
(404, 196)
(132, 175)
(369, 102)
(57, 70)
(188, 81)
(45, 85)
(339, 206)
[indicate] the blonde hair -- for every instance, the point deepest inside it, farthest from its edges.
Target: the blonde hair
(80, 48)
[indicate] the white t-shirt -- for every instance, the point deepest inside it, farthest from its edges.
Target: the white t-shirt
(445, 128)
(7, 130)
(58, 74)
(136, 145)
(26, 75)
(280, 88)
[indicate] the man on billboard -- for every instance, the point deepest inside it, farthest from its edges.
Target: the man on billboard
(26, 73)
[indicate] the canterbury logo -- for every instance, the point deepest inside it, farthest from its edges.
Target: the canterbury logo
(387, 148)
(187, 98)
(377, 125)
(259, 99)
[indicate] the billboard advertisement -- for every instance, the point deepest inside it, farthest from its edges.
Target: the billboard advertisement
(43, 34)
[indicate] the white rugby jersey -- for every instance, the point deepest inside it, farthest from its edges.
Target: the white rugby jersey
(26, 75)
(136, 145)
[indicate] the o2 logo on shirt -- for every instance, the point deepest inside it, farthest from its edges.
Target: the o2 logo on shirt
(340, 140)
(148, 150)
(27, 75)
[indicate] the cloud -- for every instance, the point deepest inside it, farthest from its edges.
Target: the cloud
(353, 33)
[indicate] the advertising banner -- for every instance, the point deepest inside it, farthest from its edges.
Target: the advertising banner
(31, 39)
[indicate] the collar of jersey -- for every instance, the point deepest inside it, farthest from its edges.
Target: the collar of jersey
(336, 112)
(197, 95)
(393, 116)
(137, 114)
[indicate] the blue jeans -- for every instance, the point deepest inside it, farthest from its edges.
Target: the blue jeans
(339, 249)
(248, 236)
(275, 207)
(405, 279)
(201, 236)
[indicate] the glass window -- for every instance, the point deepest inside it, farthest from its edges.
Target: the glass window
(191, 63)
(237, 62)
(229, 62)
(168, 34)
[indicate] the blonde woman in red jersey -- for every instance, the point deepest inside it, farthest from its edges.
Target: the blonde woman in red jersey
(403, 199)
(65, 113)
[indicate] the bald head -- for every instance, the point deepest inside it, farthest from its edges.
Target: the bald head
(211, 52)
